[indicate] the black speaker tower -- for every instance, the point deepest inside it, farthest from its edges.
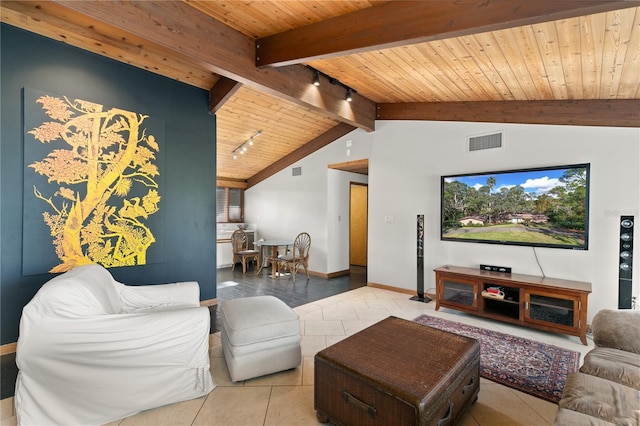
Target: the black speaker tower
(626, 263)
(420, 262)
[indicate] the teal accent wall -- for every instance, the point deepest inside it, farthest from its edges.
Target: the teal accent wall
(188, 203)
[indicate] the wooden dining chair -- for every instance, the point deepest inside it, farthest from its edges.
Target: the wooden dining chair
(299, 256)
(241, 251)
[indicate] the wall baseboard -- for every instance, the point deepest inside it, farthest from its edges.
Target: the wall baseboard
(9, 348)
(391, 288)
(324, 275)
(337, 274)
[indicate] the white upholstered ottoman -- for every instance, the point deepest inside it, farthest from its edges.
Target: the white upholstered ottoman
(260, 335)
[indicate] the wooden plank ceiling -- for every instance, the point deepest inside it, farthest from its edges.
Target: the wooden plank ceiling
(522, 61)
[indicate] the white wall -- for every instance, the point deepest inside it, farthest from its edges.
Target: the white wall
(316, 202)
(406, 160)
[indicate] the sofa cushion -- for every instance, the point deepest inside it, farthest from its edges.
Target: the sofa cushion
(600, 398)
(566, 417)
(613, 364)
(83, 291)
(238, 351)
(617, 329)
(249, 320)
(158, 297)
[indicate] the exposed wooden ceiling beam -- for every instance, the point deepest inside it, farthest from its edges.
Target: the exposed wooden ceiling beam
(614, 113)
(230, 183)
(398, 23)
(221, 92)
(297, 155)
(76, 29)
(356, 166)
(224, 51)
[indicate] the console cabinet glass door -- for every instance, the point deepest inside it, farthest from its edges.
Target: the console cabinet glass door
(552, 309)
(460, 292)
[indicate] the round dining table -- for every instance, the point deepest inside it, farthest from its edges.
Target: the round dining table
(269, 253)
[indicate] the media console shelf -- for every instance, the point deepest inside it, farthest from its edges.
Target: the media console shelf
(549, 304)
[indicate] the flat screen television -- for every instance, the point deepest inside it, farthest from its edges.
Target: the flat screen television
(539, 207)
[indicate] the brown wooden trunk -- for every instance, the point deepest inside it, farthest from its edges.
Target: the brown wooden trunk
(397, 372)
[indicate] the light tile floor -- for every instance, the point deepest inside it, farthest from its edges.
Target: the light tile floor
(287, 398)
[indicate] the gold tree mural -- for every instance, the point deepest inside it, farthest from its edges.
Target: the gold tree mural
(89, 215)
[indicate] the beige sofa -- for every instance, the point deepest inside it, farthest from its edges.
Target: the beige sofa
(606, 390)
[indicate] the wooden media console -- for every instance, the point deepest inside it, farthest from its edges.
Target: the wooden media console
(544, 303)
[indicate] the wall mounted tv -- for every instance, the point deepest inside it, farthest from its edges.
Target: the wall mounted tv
(539, 207)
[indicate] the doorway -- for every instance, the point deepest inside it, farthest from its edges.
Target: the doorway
(358, 213)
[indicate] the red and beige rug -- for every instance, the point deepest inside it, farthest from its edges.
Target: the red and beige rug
(531, 367)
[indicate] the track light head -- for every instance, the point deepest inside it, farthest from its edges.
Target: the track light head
(316, 79)
(349, 94)
(243, 147)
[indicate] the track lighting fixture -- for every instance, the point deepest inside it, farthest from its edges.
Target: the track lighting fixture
(242, 148)
(332, 80)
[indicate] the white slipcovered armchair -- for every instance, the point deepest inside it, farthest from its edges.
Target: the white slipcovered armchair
(92, 350)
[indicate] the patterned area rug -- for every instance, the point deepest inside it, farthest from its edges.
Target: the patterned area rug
(525, 365)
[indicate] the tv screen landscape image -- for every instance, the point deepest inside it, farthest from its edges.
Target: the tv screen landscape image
(539, 207)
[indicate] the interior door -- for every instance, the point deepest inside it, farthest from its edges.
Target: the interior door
(358, 209)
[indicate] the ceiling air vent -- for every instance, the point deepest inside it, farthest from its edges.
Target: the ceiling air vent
(296, 171)
(478, 143)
